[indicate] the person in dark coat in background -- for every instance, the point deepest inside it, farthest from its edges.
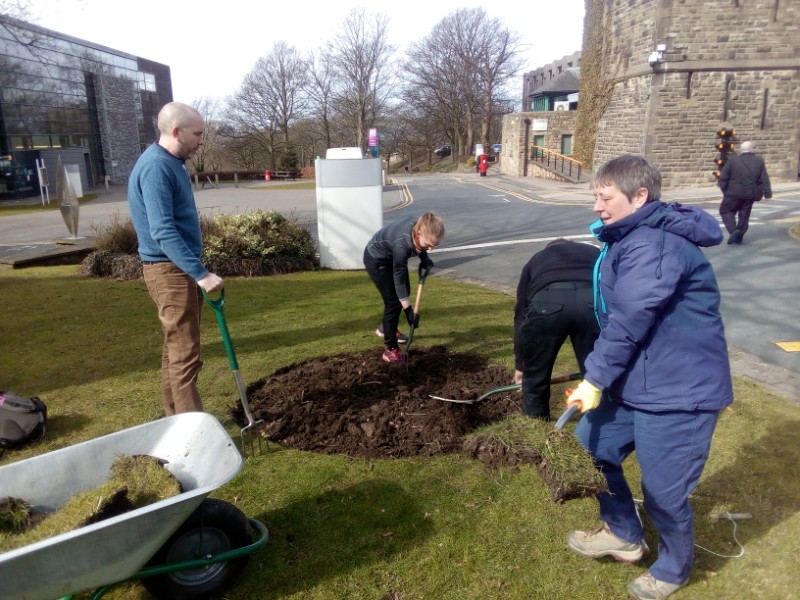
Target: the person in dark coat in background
(743, 180)
(658, 375)
(554, 302)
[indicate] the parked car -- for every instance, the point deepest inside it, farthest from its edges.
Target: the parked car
(496, 148)
(443, 151)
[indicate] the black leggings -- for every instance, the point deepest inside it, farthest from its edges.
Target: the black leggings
(382, 274)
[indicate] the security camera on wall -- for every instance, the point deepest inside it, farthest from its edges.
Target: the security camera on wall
(654, 58)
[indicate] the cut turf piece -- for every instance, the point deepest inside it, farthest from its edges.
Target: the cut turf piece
(563, 464)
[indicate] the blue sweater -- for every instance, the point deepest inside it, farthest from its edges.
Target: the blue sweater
(662, 342)
(164, 213)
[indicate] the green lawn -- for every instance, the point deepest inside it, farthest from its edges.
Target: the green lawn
(421, 528)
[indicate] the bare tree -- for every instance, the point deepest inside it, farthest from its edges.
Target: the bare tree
(440, 85)
(320, 92)
(15, 23)
(494, 63)
(310, 140)
(459, 73)
(210, 155)
(395, 135)
(16, 9)
(244, 149)
(360, 60)
(272, 97)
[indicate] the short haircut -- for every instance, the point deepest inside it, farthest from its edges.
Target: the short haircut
(629, 173)
(176, 114)
(430, 225)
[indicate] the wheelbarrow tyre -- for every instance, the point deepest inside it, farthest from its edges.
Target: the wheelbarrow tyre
(220, 527)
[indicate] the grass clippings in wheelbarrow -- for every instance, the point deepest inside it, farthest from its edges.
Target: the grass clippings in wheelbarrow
(564, 465)
(135, 481)
(15, 515)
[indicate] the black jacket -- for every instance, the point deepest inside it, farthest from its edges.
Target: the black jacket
(744, 177)
(394, 246)
(570, 261)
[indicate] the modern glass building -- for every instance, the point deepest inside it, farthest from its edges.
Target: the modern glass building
(61, 96)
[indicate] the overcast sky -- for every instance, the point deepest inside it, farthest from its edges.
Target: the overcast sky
(211, 46)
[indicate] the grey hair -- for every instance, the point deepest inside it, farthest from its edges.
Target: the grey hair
(629, 173)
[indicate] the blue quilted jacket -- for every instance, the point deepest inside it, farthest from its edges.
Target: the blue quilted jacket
(662, 342)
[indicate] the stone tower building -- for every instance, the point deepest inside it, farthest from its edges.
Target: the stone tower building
(677, 71)
(660, 78)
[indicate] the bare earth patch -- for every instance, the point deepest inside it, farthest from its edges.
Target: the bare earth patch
(357, 405)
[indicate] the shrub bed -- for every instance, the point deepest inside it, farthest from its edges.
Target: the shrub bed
(256, 243)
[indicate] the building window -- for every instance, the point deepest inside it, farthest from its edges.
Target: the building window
(147, 82)
(566, 144)
(542, 103)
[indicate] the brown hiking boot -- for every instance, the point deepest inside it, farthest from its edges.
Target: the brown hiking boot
(602, 542)
(647, 587)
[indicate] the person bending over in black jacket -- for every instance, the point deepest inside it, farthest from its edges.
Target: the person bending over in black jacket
(554, 301)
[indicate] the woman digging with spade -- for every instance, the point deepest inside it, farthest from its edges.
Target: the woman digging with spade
(386, 260)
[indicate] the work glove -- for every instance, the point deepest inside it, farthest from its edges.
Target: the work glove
(586, 395)
(413, 320)
(425, 263)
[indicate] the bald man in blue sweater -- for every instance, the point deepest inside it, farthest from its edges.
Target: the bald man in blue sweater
(167, 225)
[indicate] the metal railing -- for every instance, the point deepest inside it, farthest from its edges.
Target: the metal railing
(554, 161)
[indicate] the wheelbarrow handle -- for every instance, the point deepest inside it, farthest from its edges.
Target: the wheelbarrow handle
(223, 326)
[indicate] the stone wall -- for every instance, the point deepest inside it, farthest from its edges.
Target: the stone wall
(557, 124)
(119, 113)
(722, 65)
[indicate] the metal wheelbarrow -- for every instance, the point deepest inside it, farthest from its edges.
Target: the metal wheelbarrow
(187, 546)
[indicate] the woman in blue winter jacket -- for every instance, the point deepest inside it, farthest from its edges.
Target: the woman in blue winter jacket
(659, 373)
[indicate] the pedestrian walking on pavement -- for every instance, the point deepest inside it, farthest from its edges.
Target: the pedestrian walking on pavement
(386, 260)
(554, 302)
(658, 375)
(743, 181)
(167, 225)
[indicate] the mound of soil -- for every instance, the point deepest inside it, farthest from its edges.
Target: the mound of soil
(357, 405)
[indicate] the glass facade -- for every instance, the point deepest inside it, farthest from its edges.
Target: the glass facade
(61, 92)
